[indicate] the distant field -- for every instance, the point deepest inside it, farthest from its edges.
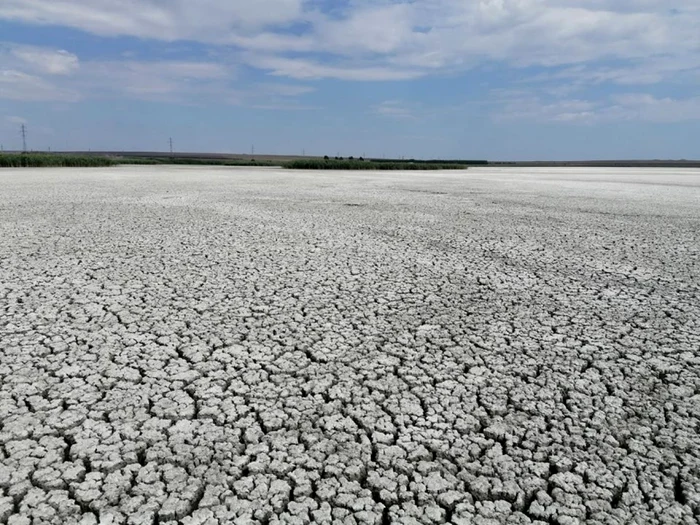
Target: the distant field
(240, 157)
(333, 164)
(195, 161)
(46, 160)
(40, 160)
(106, 158)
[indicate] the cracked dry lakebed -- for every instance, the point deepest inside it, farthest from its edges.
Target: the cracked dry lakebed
(203, 346)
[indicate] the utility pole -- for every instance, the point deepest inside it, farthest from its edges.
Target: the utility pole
(24, 137)
(171, 145)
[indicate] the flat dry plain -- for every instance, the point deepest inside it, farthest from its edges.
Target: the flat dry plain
(198, 346)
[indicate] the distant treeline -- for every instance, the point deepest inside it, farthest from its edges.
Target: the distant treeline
(436, 161)
(334, 164)
(41, 160)
(193, 161)
(45, 160)
(52, 160)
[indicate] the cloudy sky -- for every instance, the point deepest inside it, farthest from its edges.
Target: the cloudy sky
(496, 79)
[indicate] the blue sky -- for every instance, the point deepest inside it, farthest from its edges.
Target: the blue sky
(495, 79)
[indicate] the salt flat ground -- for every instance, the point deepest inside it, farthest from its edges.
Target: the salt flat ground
(201, 346)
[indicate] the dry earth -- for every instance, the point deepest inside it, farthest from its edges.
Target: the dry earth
(201, 346)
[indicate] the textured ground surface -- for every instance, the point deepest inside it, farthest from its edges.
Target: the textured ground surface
(188, 346)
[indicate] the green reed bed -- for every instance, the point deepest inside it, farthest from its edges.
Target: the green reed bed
(44, 160)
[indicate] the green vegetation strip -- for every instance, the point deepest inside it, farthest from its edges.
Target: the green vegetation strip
(46, 160)
(40, 160)
(434, 161)
(194, 161)
(332, 164)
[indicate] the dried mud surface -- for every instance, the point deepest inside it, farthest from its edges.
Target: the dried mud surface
(206, 346)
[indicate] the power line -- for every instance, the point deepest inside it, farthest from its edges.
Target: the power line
(24, 137)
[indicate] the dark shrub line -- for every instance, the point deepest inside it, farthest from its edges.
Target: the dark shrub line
(193, 161)
(333, 164)
(39, 160)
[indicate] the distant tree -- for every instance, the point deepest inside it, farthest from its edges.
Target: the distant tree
(325, 157)
(361, 158)
(351, 157)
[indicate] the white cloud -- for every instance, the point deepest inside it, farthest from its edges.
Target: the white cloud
(169, 79)
(395, 109)
(20, 86)
(203, 20)
(186, 82)
(286, 90)
(376, 39)
(529, 106)
(636, 72)
(43, 60)
(303, 69)
(641, 107)
(30, 73)
(384, 29)
(15, 120)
